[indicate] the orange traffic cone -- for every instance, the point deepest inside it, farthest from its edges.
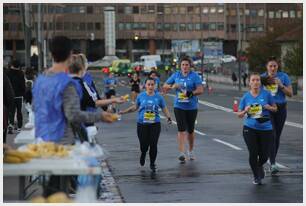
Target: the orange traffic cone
(235, 106)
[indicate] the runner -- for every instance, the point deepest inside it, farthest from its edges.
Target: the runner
(257, 129)
(188, 86)
(154, 75)
(110, 84)
(148, 123)
(279, 85)
(135, 87)
(56, 103)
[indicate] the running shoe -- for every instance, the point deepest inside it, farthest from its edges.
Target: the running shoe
(182, 158)
(10, 129)
(191, 155)
(261, 172)
(274, 169)
(142, 159)
(257, 181)
(153, 167)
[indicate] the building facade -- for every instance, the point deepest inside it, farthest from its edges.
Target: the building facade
(165, 29)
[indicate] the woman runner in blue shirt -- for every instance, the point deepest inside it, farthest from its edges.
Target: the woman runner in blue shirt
(279, 85)
(257, 129)
(148, 123)
(188, 85)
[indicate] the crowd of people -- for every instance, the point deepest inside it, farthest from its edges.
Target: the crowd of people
(66, 102)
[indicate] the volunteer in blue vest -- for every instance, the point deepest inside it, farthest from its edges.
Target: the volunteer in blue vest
(279, 85)
(56, 103)
(148, 104)
(187, 85)
(257, 130)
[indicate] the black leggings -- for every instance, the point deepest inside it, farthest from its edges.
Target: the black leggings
(185, 119)
(278, 120)
(258, 143)
(17, 106)
(148, 135)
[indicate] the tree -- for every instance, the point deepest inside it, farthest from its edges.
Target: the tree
(293, 60)
(260, 49)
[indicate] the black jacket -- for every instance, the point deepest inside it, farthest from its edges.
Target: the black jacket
(16, 77)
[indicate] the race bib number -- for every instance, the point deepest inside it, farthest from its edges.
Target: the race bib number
(149, 117)
(182, 97)
(273, 88)
(255, 111)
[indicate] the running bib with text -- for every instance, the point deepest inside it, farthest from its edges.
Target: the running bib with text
(255, 111)
(149, 117)
(273, 88)
(182, 97)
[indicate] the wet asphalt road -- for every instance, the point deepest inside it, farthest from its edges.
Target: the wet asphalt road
(220, 172)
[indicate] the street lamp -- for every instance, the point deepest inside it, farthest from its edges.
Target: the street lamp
(136, 37)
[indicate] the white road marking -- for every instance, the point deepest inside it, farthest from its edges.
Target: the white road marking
(227, 144)
(215, 106)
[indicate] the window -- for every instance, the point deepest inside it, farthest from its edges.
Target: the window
(285, 14)
(212, 26)
(151, 26)
(45, 26)
(128, 10)
(51, 26)
(232, 12)
(128, 26)
(299, 14)
(220, 26)
(159, 26)
(143, 26)
(167, 10)
(97, 26)
(197, 26)
(205, 26)
(190, 9)
(82, 26)
(278, 14)
(241, 12)
(121, 26)
(220, 10)
(67, 26)
(189, 27)
(247, 12)
(182, 27)
(135, 10)
(167, 26)
(151, 9)
(197, 10)
(261, 12)
(292, 14)
(183, 10)
(90, 26)
(59, 25)
(213, 10)
(143, 9)
(260, 28)
(120, 10)
(233, 27)
(89, 9)
(253, 13)
(252, 28)
(174, 10)
(136, 26)
(82, 9)
(75, 26)
(6, 27)
(174, 27)
(68, 10)
(271, 14)
(205, 10)
(160, 9)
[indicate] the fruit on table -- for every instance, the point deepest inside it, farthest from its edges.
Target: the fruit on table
(48, 149)
(13, 159)
(14, 156)
(59, 197)
(38, 199)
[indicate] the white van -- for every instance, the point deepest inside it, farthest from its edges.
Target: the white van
(149, 62)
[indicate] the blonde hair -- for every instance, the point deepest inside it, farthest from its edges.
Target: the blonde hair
(78, 63)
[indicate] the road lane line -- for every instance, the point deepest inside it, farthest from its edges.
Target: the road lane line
(215, 106)
(227, 144)
(196, 131)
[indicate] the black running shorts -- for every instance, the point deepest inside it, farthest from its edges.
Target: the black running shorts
(185, 119)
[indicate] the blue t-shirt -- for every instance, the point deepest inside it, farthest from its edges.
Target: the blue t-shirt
(257, 109)
(188, 83)
(278, 95)
(148, 107)
(110, 82)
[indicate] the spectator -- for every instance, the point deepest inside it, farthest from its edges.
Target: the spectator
(234, 78)
(8, 101)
